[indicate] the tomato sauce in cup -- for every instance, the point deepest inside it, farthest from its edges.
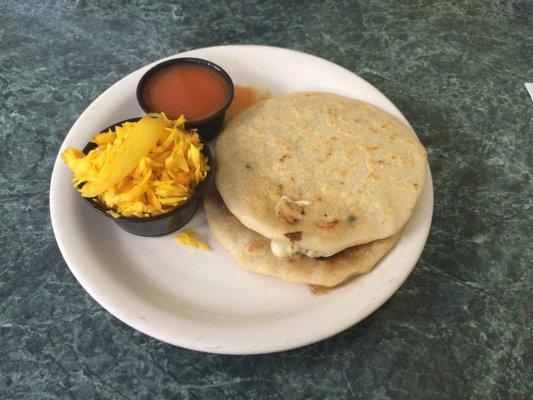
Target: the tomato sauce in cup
(193, 90)
(198, 89)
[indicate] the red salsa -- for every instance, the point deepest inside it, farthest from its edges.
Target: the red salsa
(195, 91)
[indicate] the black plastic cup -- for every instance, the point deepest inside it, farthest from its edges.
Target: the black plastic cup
(160, 224)
(209, 126)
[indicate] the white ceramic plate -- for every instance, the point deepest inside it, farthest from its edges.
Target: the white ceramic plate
(203, 300)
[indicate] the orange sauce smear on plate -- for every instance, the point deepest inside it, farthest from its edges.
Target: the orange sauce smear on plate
(244, 97)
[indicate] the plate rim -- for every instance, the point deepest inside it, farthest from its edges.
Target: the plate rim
(281, 346)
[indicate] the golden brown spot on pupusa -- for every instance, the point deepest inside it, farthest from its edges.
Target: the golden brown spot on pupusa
(372, 176)
(327, 224)
(372, 148)
(330, 114)
(255, 246)
(293, 236)
(305, 129)
(378, 162)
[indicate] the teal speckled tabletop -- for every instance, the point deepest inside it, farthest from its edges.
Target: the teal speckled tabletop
(460, 327)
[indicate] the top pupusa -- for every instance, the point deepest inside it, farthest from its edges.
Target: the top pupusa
(360, 169)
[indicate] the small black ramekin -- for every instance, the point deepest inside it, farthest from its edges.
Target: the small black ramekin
(160, 224)
(208, 127)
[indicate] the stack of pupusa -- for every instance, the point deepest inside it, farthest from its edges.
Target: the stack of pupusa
(314, 187)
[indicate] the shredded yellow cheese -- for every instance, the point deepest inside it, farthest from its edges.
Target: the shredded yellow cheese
(141, 169)
(190, 238)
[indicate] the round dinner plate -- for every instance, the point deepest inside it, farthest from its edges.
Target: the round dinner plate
(202, 300)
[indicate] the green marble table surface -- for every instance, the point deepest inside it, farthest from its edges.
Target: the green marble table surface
(461, 325)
